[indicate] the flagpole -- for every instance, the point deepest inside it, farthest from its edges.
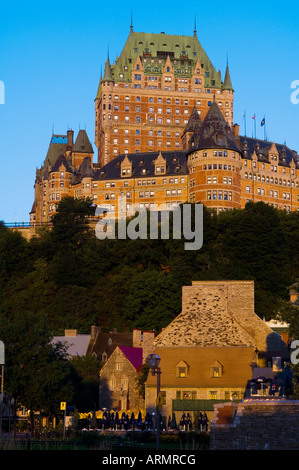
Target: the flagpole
(265, 128)
(254, 127)
(245, 121)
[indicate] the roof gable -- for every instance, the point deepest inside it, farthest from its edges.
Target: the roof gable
(134, 355)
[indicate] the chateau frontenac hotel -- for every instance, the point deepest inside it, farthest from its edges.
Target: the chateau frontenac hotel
(165, 135)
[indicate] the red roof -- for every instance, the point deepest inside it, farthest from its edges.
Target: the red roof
(134, 355)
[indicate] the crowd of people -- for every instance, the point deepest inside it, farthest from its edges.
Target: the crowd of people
(111, 420)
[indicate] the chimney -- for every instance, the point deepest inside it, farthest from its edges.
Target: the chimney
(94, 331)
(137, 338)
(236, 130)
(70, 135)
(70, 332)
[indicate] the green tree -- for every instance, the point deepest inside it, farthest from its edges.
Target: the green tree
(153, 300)
(87, 394)
(37, 373)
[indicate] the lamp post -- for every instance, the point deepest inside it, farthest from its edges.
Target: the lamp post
(153, 361)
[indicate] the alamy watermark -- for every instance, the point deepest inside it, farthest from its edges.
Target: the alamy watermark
(2, 92)
(295, 351)
(295, 93)
(148, 223)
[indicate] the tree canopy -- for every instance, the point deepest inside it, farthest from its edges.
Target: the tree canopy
(65, 277)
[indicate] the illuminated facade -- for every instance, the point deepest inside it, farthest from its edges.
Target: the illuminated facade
(165, 135)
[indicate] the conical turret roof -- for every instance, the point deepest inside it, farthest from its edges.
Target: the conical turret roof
(108, 72)
(194, 122)
(227, 85)
(214, 132)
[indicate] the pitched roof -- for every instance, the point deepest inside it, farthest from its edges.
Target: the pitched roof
(185, 50)
(76, 345)
(85, 169)
(204, 322)
(82, 143)
(194, 123)
(102, 343)
(61, 160)
(212, 317)
(215, 132)
(143, 165)
(134, 355)
(262, 147)
(57, 146)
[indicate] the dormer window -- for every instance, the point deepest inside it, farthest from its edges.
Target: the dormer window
(216, 369)
(182, 369)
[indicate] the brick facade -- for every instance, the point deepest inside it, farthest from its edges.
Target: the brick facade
(165, 135)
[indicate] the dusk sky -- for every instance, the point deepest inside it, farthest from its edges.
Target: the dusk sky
(51, 56)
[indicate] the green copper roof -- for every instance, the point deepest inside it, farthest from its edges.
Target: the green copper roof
(227, 80)
(108, 72)
(184, 51)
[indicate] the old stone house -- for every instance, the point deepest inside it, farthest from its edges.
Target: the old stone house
(209, 351)
(119, 386)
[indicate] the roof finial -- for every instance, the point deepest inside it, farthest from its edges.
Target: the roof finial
(195, 35)
(131, 26)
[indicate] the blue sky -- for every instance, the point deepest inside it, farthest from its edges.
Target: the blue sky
(51, 55)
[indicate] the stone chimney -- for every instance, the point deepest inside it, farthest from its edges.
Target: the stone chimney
(94, 331)
(70, 139)
(70, 332)
(144, 340)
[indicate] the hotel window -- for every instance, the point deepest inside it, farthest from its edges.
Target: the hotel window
(213, 395)
(247, 189)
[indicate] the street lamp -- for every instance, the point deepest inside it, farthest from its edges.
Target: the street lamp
(153, 361)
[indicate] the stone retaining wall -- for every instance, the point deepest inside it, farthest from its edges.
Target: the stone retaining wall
(256, 425)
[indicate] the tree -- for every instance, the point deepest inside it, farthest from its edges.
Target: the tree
(153, 300)
(87, 394)
(37, 373)
(70, 223)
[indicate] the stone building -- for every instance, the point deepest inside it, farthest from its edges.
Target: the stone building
(209, 352)
(106, 342)
(119, 380)
(119, 386)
